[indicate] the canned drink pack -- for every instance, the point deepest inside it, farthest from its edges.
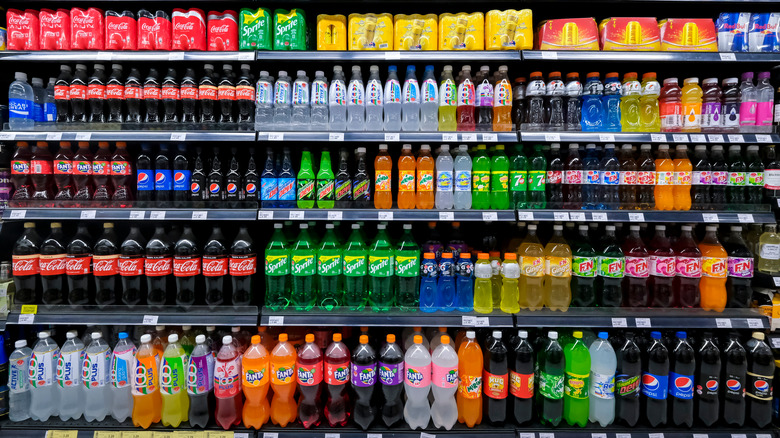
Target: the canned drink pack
(732, 30)
(762, 33)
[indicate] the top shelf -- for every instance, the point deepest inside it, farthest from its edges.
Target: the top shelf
(637, 56)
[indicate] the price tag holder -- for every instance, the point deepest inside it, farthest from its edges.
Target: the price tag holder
(658, 138)
(680, 138)
(83, 136)
(738, 435)
(763, 138)
(552, 137)
(601, 217)
(178, 136)
(336, 136)
(643, 322)
(579, 217)
(468, 321)
(622, 435)
(736, 138)
(701, 435)
(270, 435)
(561, 215)
(636, 217)
(449, 137)
(619, 322)
(715, 138)
(775, 342)
(276, 136)
(246, 56)
(335, 215)
(698, 138)
(176, 56)
(423, 435)
(200, 215)
(107, 434)
(104, 56)
(392, 136)
(276, 320)
(157, 215)
(165, 434)
(549, 55)
(745, 218)
(195, 434)
(7, 135)
(710, 217)
(137, 215)
(755, 323)
(446, 216)
(489, 216)
(26, 319)
(727, 56)
(53, 136)
(150, 320)
(722, 323)
(137, 434)
(218, 435)
(29, 309)
(483, 321)
(18, 214)
(297, 215)
(655, 435)
(265, 215)
(490, 137)
(604, 138)
(385, 215)
(88, 214)
(546, 435)
(62, 434)
(527, 435)
(469, 137)
(525, 216)
(763, 435)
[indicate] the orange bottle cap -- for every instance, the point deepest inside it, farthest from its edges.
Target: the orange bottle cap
(390, 338)
(283, 337)
(495, 254)
(465, 255)
(648, 75)
(536, 73)
(553, 74)
(510, 256)
(364, 339)
(447, 255)
(256, 339)
(572, 75)
(612, 75)
(483, 256)
(336, 337)
(445, 339)
(429, 255)
(310, 337)
(418, 339)
(594, 74)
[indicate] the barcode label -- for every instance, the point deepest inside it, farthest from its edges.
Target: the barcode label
(525, 216)
(549, 55)
(490, 137)
(552, 137)
(736, 138)
(137, 214)
(446, 216)
(469, 137)
(385, 215)
(265, 215)
(661, 138)
(297, 215)
(158, 215)
(606, 137)
(246, 56)
(18, 214)
(178, 136)
(698, 138)
(276, 136)
(276, 320)
(26, 319)
(468, 321)
(745, 218)
(600, 217)
(83, 136)
(755, 323)
(727, 57)
(482, 321)
(88, 214)
(489, 216)
(336, 136)
(561, 215)
(636, 217)
(710, 217)
(449, 137)
(715, 138)
(763, 138)
(53, 136)
(579, 217)
(176, 56)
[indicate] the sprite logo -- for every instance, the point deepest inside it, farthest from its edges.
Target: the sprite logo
(329, 264)
(277, 265)
(380, 266)
(407, 266)
(355, 265)
(303, 265)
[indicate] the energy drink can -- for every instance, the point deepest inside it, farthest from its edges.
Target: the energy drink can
(732, 30)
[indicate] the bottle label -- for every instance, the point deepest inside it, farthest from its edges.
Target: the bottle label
(577, 386)
(627, 386)
(771, 178)
(226, 378)
(466, 93)
(519, 180)
(532, 266)
(448, 93)
(85, 168)
(536, 180)
(158, 266)
(776, 112)
(163, 180)
(42, 372)
(418, 377)
(592, 177)
(710, 117)
(444, 181)
(355, 94)
(325, 189)
(707, 387)
(664, 178)
(655, 387)
(502, 94)
(25, 265)
(305, 189)
(485, 94)
(755, 179)
(172, 377)
(131, 267)
(720, 178)
(734, 385)
(121, 368)
(637, 267)
(123, 168)
(338, 94)
(411, 91)
(282, 93)
(19, 108)
(445, 377)
(61, 92)
(300, 93)
(319, 93)
(407, 266)
(612, 267)
(737, 179)
(134, 92)
(603, 385)
(337, 374)
(303, 265)
(283, 373)
(329, 264)
(215, 266)
(276, 265)
(583, 266)
(495, 386)
(78, 265)
(465, 268)
(146, 374)
(355, 266)
(692, 116)
(406, 180)
(702, 178)
(343, 189)
(741, 267)
(759, 387)
(551, 385)
(264, 93)
(374, 93)
(391, 374)
(430, 91)
(481, 180)
(682, 178)
(499, 181)
(19, 371)
(69, 368)
(310, 375)
(424, 181)
(42, 167)
(380, 266)
(554, 177)
(186, 92)
(714, 267)
(392, 91)
(689, 267)
(557, 266)
(628, 178)
(645, 178)
(287, 189)
(186, 266)
(363, 376)
(51, 264)
(78, 91)
(462, 181)
(768, 251)
(470, 387)
(573, 177)
(61, 167)
(521, 385)
(145, 178)
(429, 269)
(173, 93)
(200, 374)
(661, 266)
(680, 386)
(94, 370)
(747, 113)
(610, 177)
(382, 181)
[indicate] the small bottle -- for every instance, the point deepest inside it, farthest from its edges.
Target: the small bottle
(769, 250)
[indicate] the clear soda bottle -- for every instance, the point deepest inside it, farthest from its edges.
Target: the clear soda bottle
(374, 99)
(603, 364)
(630, 116)
(448, 100)
(319, 102)
(122, 371)
(417, 361)
(337, 101)
(300, 119)
(392, 101)
(557, 289)
(282, 102)
(69, 377)
(44, 394)
(429, 101)
(95, 378)
(356, 107)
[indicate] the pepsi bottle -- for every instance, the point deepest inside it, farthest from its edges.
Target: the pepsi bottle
(655, 381)
(163, 178)
(181, 178)
(628, 376)
(708, 381)
(251, 179)
(683, 367)
(198, 180)
(145, 174)
(760, 372)
(734, 373)
(215, 180)
(233, 181)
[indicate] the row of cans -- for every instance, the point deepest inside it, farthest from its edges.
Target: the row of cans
(746, 32)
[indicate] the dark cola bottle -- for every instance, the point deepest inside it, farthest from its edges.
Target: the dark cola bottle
(152, 96)
(198, 181)
(226, 94)
(52, 266)
(163, 177)
(681, 374)
(186, 267)
(245, 96)
(131, 266)
(171, 95)
(233, 181)
(78, 267)
(216, 181)
(628, 379)
(655, 381)
(181, 177)
(25, 257)
(497, 370)
(343, 190)
(735, 377)
(521, 381)
(96, 95)
(760, 375)
(188, 92)
(134, 93)
(158, 266)
(242, 267)
(115, 95)
(251, 179)
(62, 94)
(708, 381)
(215, 267)
(105, 267)
(78, 95)
(207, 95)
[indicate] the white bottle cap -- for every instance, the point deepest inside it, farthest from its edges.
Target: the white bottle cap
(159, 327)
(96, 335)
(227, 339)
(471, 334)
(20, 76)
(71, 334)
(407, 226)
(200, 339)
(173, 337)
(236, 329)
(497, 334)
(445, 147)
(210, 328)
(552, 335)
(145, 339)
(186, 327)
(43, 335)
(523, 334)
(21, 343)
(301, 73)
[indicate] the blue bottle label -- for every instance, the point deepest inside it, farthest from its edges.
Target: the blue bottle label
(37, 112)
(145, 180)
(181, 180)
(681, 386)
(269, 189)
(49, 112)
(163, 180)
(429, 269)
(286, 189)
(19, 108)
(655, 387)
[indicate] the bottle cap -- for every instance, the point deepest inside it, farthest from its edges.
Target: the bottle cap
(577, 335)
(227, 339)
(43, 335)
(56, 225)
(471, 334)
(603, 335)
(21, 343)
(95, 335)
(442, 329)
(429, 255)
(497, 334)
(210, 328)
(465, 255)
(235, 329)
(736, 228)
(282, 337)
(122, 335)
(364, 339)
(655, 335)
(574, 146)
(593, 74)
(336, 337)
(200, 339)
(483, 256)
(173, 337)
(417, 339)
(523, 334)
(72, 334)
(446, 255)
(695, 80)
(309, 337)
(510, 256)
(145, 339)
(758, 335)
(445, 339)
(256, 339)
(390, 338)
(649, 75)
(681, 335)
(552, 335)
(711, 228)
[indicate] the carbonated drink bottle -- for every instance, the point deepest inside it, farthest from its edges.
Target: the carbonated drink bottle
(591, 178)
(44, 396)
(82, 171)
(754, 177)
(737, 177)
(720, 178)
(592, 107)
(95, 378)
(444, 410)
(383, 166)
(391, 376)
(649, 111)
(714, 267)
(300, 118)
(329, 268)
(612, 264)
(337, 370)
(226, 94)
(556, 293)
(186, 267)
(469, 397)
(175, 403)
(356, 111)
(303, 269)
(62, 169)
(630, 114)
(573, 99)
(735, 378)
(708, 378)
(510, 273)
(496, 380)
(410, 103)
(337, 101)
(740, 270)
(121, 173)
(611, 101)
(355, 256)
(374, 95)
(406, 178)
(711, 106)
(122, 371)
(264, 100)
(760, 372)
(627, 382)
(499, 179)
(407, 271)
(682, 179)
(518, 177)
(417, 361)
(609, 196)
(584, 268)
(101, 172)
(151, 96)
(572, 179)
(519, 103)
(277, 270)
(283, 381)
(502, 101)
(550, 366)
(96, 94)
(637, 270)
(78, 267)
(343, 183)
(51, 264)
(480, 177)
(69, 375)
(664, 189)
(325, 182)
(701, 196)
(765, 100)
(78, 94)
(188, 92)
(147, 404)
(319, 102)
(521, 378)
(171, 96)
(448, 100)
(62, 94)
(380, 272)
(364, 369)
(646, 179)
(628, 179)
(254, 381)
(305, 187)
(25, 257)
(681, 373)
(603, 364)
(425, 167)
(689, 267)
(200, 383)
(768, 254)
(41, 171)
(227, 385)
(19, 382)
(691, 105)
(670, 100)
(484, 99)
(576, 386)
(444, 199)
(466, 99)
(309, 373)
(392, 104)
(748, 100)
(655, 381)
(483, 289)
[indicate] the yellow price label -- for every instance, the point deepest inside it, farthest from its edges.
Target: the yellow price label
(190, 434)
(32, 309)
(62, 434)
(164, 435)
(107, 434)
(137, 434)
(220, 435)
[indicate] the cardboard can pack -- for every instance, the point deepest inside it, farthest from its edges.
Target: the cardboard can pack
(370, 32)
(509, 30)
(630, 33)
(331, 32)
(689, 35)
(462, 31)
(416, 32)
(568, 34)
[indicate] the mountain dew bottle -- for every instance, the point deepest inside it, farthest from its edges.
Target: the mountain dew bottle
(326, 181)
(329, 270)
(305, 182)
(355, 268)
(577, 384)
(407, 271)
(380, 271)
(277, 271)
(304, 269)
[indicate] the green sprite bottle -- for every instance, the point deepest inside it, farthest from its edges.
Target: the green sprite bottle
(575, 390)
(550, 366)
(537, 171)
(480, 179)
(380, 271)
(305, 182)
(304, 270)
(355, 268)
(277, 270)
(326, 181)
(499, 179)
(518, 179)
(329, 267)
(407, 271)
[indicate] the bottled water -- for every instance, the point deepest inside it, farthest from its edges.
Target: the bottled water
(444, 411)
(374, 95)
(392, 100)
(417, 363)
(282, 98)
(301, 112)
(603, 364)
(69, 377)
(49, 105)
(264, 102)
(18, 382)
(444, 168)
(337, 101)
(20, 103)
(462, 179)
(95, 379)
(429, 109)
(44, 397)
(39, 95)
(122, 373)
(410, 108)
(319, 102)
(356, 102)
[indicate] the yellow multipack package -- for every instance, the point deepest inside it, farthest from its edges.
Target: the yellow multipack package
(462, 31)
(331, 32)
(370, 32)
(416, 32)
(509, 30)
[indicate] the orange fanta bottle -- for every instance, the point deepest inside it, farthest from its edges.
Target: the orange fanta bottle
(406, 174)
(664, 177)
(284, 410)
(383, 169)
(682, 178)
(147, 404)
(256, 376)
(425, 165)
(714, 267)
(469, 397)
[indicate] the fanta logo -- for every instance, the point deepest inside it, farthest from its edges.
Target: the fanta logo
(650, 382)
(341, 374)
(733, 384)
(386, 374)
(252, 376)
(451, 377)
(414, 376)
(367, 376)
(306, 376)
(683, 383)
(83, 167)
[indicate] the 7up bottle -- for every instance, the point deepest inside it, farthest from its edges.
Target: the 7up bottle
(380, 271)
(277, 270)
(305, 184)
(304, 268)
(407, 271)
(355, 268)
(329, 270)
(325, 183)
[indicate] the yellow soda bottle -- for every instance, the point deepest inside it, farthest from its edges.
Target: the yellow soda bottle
(173, 383)
(483, 285)
(510, 273)
(448, 101)
(531, 253)
(649, 112)
(629, 103)
(557, 261)
(691, 105)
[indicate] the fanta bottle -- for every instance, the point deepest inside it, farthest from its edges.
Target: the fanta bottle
(147, 405)
(337, 358)
(531, 253)
(557, 266)
(310, 370)
(284, 410)
(383, 168)
(682, 178)
(469, 398)
(664, 177)
(173, 383)
(254, 381)
(227, 385)
(688, 261)
(425, 166)
(714, 267)
(691, 105)
(406, 178)
(671, 106)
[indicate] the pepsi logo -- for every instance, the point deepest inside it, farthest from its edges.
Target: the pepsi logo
(195, 188)
(683, 383)
(761, 385)
(214, 188)
(160, 178)
(712, 385)
(650, 382)
(179, 177)
(733, 384)
(251, 188)
(231, 188)
(143, 178)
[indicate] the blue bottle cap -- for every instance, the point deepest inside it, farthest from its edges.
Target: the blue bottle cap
(392, 68)
(429, 67)
(681, 335)
(602, 335)
(122, 335)
(410, 68)
(655, 335)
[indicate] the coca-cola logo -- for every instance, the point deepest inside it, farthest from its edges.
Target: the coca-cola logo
(215, 267)
(105, 266)
(25, 266)
(240, 267)
(122, 26)
(158, 267)
(154, 27)
(131, 267)
(18, 20)
(219, 29)
(184, 26)
(77, 265)
(51, 18)
(186, 267)
(84, 19)
(52, 266)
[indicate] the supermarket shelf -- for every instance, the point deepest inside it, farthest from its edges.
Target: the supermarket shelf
(83, 55)
(646, 137)
(594, 431)
(136, 315)
(237, 214)
(467, 137)
(395, 318)
(376, 431)
(692, 216)
(85, 429)
(622, 317)
(380, 55)
(386, 215)
(637, 56)
(129, 135)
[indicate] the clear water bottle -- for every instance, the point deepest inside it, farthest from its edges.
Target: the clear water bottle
(462, 179)
(748, 100)
(410, 107)
(301, 111)
(122, 375)
(429, 109)
(356, 102)
(18, 382)
(444, 179)
(374, 99)
(603, 364)
(264, 101)
(282, 99)
(39, 95)
(20, 103)
(44, 397)
(392, 100)
(766, 97)
(319, 102)
(69, 377)
(49, 105)
(95, 379)
(337, 101)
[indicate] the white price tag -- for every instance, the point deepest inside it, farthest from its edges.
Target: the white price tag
(276, 320)
(270, 435)
(527, 435)
(373, 435)
(104, 56)
(489, 216)
(446, 216)
(763, 435)
(738, 435)
(680, 138)
(736, 138)
(636, 217)
(698, 138)
(392, 136)
(27, 318)
(469, 137)
(606, 137)
(238, 434)
(661, 138)
(775, 342)
(489, 137)
(763, 138)
(335, 215)
(150, 320)
(385, 215)
(701, 435)
(265, 215)
(745, 218)
(655, 435)
(546, 435)
(561, 215)
(525, 216)
(246, 56)
(276, 136)
(425, 435)
(619, 322)
(393, 55)
(468, 321)
(178, 136)
(578, 217)
(483, 321)
(715, 138)
(722, 323)
(88, 214)
(643, 322)
(53, 136)
(336, 136)
(157, 215)
(137, 214)
(598, 435)
(622, 435)
(552, 137)
(755, 323)
(332, 435)
(83, 136)
(728, 56)
(176, 56)
(549, 55)
(449, 137)
(200, 215)
(297, 215)
(7, 135)
(602, 217)
(709, 217)
(776, 281)
(18, 214)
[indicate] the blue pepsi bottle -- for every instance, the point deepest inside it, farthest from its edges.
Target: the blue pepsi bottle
(464, 299)
(286, 182)
(163, 177)
(611, 101)
(591, 168)
(683, 367)
(145, 174)
(445, 299)
(181, 177)
(269, 188)
(429, 271)
(655, 381)
(610, 180)
(592, 118)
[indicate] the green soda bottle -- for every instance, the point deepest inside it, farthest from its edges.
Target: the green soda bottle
(550, 366)
(536, 179)
(277, 270)
(480, 179)
(499, 179)
(380, 271)
(326, 181)
(329, 267)
(187, 340)
(304, 269)
(407, 271)
(305, 182)
(518, 177)
(173, 384)
(584, 267)
(355, 268)
(577, 384)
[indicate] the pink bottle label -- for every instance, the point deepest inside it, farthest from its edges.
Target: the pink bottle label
(689, 267)
(764, 113)
(740, 267)
(418, 377)
(637, 267)
(661, 266)
(747, 113)
(445, 377)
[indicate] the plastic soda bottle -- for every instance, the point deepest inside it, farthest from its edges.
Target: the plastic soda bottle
(649, 111)
(714, 268)
(444, 410)
(425, 179)
(383, 167)
(448, 100)
(309, 372)
(254, 382)
(337, 372)
(326, 181)
(410, 101)
(374, 99)
(736, 189)
(518, 179)
(355, 257)
(407, 271)
(429, 105)
(305, 184)
(446, 287)
(356, 109)
(464, 300)
(550, 366)
(499, 179)
(381, 265)
(444, 179)
(470, 370)
(227, 385)
(670, 101)
(329, 268)
(630, 115)
(466, 99)
(532, 269)
(521, 377)
(557, 262)
(748, 100)
(611, 269)
(603, 364)
(645, 178)
(122, 370)
(407, 166)
(428, 283)
(44, 394)
(69, 374)
(577, 382)
(95, 377)
(392, 106)
(637, 272)
(283, 381)
(277, 270)
(662, 268)
(483, 289)
(664, 179)
(510, 273)
(480, 178)
(502, 101)
(303, 269)
(391, 376)
(364, 373)
(19, 382)
(495, 264)
(147, 403)
(200, 382)
(536, 178)
(417, 361)
(175, 403)
(682, 178)
(691, 105)
(484, 102)
(337, 101)
(740, 270)
(688, 261)
(584, 267)
(462, 179)
(496, 379)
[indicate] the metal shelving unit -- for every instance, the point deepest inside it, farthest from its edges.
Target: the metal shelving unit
(640, 56)
(462, 137)
(691, 216)
(156, 214)
(644, 318)
(129, 135)
(394, 318)
(136, 315)
(648, 137)
(124, 55)
(393, 55)
(387, 215)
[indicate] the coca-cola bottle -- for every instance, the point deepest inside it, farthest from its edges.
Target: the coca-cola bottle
(242, 267)
(25, 255)
(207, 95)
(115, 94)
(52, 266)
(245, 96)
(20, 172)
(63, 171)
(96, 94)
(152, 96)
(198, 181)
(158, 265)
(131, 266)
(170, 97)
(134, 92)
(251, 179)
(78, 95)
(186, 267)
(78, 266)
(215, 267)
(226, 94)
(188, 91)
(41, 171)
(215, 179)
(105, 266)
(62, 94)
(233, 181)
